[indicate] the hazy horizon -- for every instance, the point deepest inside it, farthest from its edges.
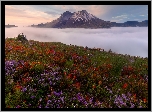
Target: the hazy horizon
(37, 14)
(122, 40)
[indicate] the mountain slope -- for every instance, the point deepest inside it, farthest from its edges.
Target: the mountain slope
(80, 19)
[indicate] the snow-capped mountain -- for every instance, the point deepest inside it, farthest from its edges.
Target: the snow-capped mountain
(83, 15)
(83, 19)
(80, 19)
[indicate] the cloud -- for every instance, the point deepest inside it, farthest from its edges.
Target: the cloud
(17, 16)
(52, 13)
(132, 40)
(9, 7)
(136, 19)
(121, 16)
(142, 15)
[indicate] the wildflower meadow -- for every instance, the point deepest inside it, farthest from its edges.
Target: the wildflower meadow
(56, 75)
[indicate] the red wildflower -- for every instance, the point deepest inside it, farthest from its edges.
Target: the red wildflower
(26, 64)
(106, 75)
(52, 51)
(144, 100)
(97, 69)
(18, 87)
(125, 85)
(134, 97)
(74, 77)
(77, 85)
(87, 98)
(69, 76)
(94, 75)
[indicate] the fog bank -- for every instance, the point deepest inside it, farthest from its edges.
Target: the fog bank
(123, 40)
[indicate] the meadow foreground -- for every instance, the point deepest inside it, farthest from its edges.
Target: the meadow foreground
(55, 75)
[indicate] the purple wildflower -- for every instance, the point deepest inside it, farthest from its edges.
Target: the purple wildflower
(124, 96)
(90, 100)
(74, 98)
(79, 97)
(62, 99)
(85, 102)
(40, 99)
(32, 97)
(48, 101)
(18, 106)
(29, 105)
(57, 94)
(128, 94)
(50, 82)
(42, 74)
(24, 89)
(49, 79)
(49, 95)
(119, 101)
(132, 105)
(40, 106)
(46, 107)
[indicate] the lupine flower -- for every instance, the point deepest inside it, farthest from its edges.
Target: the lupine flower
(40, 106)
(49, 101)
(90, 100)
(132, 105)
(29, 105)
(46, 107)
(50, 82)
(18, 106)
(49, 95)
(32, 97)
(62, 99)
(24, 89)
(57, 94)
(79, 97)
(40, 99)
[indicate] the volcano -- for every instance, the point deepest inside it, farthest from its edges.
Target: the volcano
(80, 19)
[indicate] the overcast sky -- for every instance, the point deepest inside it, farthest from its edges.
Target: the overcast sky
(24, 15)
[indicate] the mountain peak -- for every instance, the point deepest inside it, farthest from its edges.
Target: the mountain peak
(66, 15)
(80, 19)
(83, 15)
(84, 11)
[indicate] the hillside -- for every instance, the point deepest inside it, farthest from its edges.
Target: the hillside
(56, 75)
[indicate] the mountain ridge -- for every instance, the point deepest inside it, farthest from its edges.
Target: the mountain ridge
(83, 19)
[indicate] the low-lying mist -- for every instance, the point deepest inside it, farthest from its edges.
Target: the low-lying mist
(122, 40)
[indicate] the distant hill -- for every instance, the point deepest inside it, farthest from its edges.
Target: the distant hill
(130, 24)
(9, 26)
(83, 19)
